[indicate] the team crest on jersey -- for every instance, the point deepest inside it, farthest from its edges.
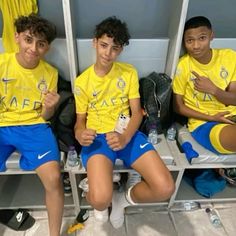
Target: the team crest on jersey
(223, 73)
(42, 85)
(120, 83)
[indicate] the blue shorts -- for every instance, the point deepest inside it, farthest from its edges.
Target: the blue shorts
(36, 144)
(202, 135)
(137, 146)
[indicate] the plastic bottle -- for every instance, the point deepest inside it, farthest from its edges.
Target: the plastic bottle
(152, 135)
(72, 157)
(171, 133)
(214, 218)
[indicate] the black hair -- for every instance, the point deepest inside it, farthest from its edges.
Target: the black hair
(37, 26)
(113, 28)
(196, 22)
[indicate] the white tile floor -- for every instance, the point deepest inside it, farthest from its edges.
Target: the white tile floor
(144, 222)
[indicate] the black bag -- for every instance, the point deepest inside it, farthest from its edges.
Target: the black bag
(64, 118)
(155, 93)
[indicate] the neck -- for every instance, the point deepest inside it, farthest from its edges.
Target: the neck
(24, 64)
(102, 70)
(207, 58)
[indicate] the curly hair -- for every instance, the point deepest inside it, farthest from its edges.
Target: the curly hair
(37, 26)
(113, 28)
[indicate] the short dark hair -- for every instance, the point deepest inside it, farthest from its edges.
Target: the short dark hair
(37, 26)
(196, 22)
(113, 28)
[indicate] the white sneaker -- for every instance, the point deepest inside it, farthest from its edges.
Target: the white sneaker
(101, 216)
(84, 185)
(116, 177)
(133, 178)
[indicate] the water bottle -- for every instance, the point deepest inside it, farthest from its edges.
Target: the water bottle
(171, 133)
(152, 135)
(72, 157)
(214, 218)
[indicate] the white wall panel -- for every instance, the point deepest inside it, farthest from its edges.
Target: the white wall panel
(146, 55)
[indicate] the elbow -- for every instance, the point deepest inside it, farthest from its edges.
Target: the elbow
(177, 109)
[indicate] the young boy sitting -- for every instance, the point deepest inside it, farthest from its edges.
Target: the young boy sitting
(205, 88)
(27, 100)
(108, 117)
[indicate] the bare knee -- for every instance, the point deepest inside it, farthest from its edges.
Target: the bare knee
(53, 182)
(164, 190)
(99, 200)
(168, 189)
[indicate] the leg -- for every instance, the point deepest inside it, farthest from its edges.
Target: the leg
(227, 138)
(216, 137)
(157, 184)
(99, 172)
(6, 148)
(50, 175)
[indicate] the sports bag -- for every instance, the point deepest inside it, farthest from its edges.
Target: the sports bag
(155, 93)
(64, 118)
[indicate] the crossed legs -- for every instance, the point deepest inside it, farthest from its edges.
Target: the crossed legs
(157, 184)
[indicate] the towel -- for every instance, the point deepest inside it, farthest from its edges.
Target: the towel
(11, 10)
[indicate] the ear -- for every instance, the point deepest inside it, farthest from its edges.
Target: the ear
(16, 37)
(95, 41)
(212, 35)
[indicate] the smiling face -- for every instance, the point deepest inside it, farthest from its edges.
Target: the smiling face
(197, 43)
(106, 52)
(32, 48)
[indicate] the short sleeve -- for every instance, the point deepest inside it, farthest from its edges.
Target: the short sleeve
(134, 85)
(180, 80)
(81, 99)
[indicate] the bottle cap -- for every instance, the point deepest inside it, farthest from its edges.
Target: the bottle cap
(208, 210)
(71, 147)
(153, 126)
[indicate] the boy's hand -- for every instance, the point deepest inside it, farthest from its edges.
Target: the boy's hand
(50, 100)
(85, 137)
(222, 118)
(203, 84)
(49, 103)
(116, 141)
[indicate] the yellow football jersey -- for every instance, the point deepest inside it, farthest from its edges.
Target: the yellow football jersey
(221, 70)
(104, 98)
(21, 91)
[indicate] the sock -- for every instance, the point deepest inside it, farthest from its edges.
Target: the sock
(119, 202)
(101, 216)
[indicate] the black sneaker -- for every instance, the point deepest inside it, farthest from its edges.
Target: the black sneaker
(66, 185)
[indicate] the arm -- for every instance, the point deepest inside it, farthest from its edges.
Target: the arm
(205, 85)
(182, 109)
(84, 136)
(135, 119)
(49, 104)
(118, 141)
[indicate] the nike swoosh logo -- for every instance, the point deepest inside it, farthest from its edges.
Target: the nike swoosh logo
(143, 145)
(43, 155)
(19, 216)
(6, 79)
(96, 93)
